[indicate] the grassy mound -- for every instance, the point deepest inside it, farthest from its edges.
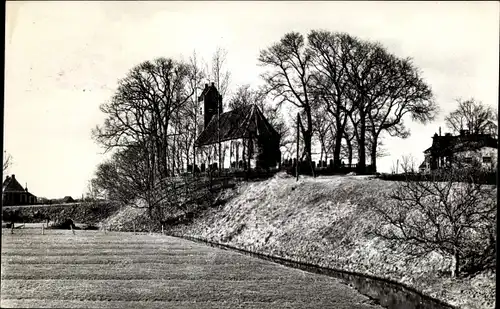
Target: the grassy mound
(329, 221)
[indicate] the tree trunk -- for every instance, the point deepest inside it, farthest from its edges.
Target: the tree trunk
(349, 150)
(173, 152)
(338, 147)
(237, 153)
(362, 146)
(244, 152)
(321, 151)
(163, 156)
(373, 155)
(456, 268)
(308, 138)
(250, 151)
(187, 153)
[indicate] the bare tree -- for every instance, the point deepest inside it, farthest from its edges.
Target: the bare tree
(147, 127)
(400, 91)
(408, 164)
(94, 192)
(7, 161)
(289, 79)
(122, 178)
(453, 214)
(245, 96)
(329, 58)
(142, 109)
(219, 73)
(325, 131)
(192, 120)
(221, 78)
(383, 89)
(473, 116)
(350, 147)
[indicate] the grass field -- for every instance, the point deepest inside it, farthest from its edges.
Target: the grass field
(118, 270)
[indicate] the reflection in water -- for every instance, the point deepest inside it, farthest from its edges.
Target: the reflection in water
(390, 295)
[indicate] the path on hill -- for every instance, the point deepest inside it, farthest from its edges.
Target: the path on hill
(118, 270)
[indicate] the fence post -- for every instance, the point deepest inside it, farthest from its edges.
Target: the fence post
(43, 229)
(72, 230)
(12, 228)
(133, 223)
(162, 229)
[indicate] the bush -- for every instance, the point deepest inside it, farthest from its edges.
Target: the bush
(65, 224)
(11, 215)
(452, 213)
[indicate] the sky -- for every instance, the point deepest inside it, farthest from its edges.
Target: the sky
(63, 59)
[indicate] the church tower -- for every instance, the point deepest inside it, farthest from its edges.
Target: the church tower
(211, 101)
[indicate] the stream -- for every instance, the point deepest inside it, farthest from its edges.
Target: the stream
(386, 293)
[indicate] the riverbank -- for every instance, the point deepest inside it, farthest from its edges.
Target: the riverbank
(326, 222)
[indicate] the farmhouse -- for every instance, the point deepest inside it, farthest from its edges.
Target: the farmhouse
(247, 134)
(14, 194)
(465, 148)
(68, 199)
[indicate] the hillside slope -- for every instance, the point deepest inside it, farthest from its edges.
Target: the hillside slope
(328, 222)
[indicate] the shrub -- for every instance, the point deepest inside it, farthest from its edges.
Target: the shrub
(64, 224)
(453, 214)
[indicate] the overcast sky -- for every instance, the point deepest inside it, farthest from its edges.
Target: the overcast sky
(63, 60)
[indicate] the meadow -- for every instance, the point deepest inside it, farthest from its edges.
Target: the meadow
(93, 269)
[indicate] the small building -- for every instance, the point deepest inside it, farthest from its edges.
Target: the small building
(465, 148)
(68, 199)
(247, 134)
(14, 194)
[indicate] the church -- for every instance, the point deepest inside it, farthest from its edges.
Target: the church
(247, 139)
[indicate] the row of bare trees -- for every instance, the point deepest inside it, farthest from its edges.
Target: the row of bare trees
(152, 122)
(349, 91)
(350, 94)
(474, 117)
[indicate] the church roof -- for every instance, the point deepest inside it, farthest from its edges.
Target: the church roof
(238, 123)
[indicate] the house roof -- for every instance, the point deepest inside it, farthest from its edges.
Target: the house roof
(449, 144)
(238, 123)
(422, 165)
(10, 184)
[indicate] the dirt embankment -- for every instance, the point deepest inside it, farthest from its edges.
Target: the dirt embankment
(327, 221)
